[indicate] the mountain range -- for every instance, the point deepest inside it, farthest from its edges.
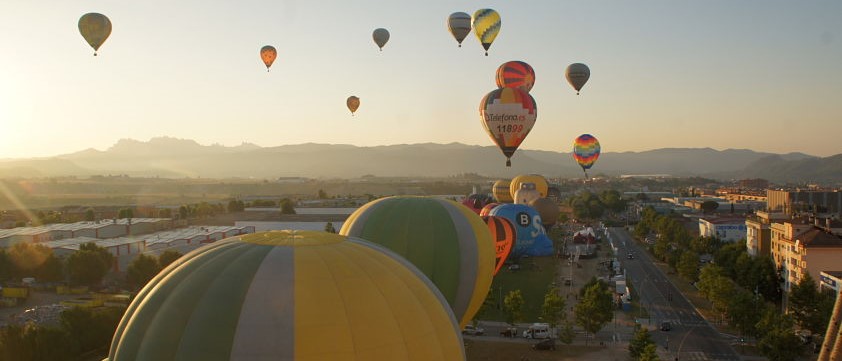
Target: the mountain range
(175, 158)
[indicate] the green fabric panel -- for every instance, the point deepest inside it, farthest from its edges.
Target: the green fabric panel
(421, 230)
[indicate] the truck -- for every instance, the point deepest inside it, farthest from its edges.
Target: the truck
(538, 331)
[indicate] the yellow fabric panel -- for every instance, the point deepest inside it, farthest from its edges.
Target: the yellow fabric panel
(356, 303)
(292, 238)
(486, 256)
(540, 183)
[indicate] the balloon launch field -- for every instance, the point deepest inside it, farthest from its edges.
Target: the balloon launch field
(535, 276)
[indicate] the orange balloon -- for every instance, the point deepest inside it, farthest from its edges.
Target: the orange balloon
(268, 54)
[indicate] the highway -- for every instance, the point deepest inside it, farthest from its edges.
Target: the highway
(690, 337)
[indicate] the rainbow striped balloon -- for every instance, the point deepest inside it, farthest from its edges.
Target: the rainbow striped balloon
(586, 150)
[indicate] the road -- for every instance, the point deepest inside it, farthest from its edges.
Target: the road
(691, 337)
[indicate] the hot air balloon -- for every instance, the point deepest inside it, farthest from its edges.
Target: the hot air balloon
(486, 26)
(353, 103)
(268, 54)
(444, 239)
(586, 151)
(459, 24)
(488, 207)
(503, 233)
(547, 209)
(526, 194)
(508, 115)
(577, 75)
(95, 28)
(476, 201)
(381, 37)
(501, 191)
(288, 295)
(539, 181)
(515, 74)
(531, 240)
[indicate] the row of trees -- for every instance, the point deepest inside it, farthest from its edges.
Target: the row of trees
(587, 205)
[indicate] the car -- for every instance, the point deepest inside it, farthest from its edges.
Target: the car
(509, 332)
(548, 344)
(630, 256)
(473, 331)
(666, 326)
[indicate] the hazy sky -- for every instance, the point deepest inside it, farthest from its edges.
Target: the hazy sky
(764, 75)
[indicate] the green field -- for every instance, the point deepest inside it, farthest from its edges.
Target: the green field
(533, 279)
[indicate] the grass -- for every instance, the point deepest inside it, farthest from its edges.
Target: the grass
(536, 275)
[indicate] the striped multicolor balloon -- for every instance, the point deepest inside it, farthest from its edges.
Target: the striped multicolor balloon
(447, 241)
(516, 74)
(486, 25)
(289, 295)
(503, 233)
(586, 151)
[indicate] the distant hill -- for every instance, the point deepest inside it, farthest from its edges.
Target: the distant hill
(171, 157)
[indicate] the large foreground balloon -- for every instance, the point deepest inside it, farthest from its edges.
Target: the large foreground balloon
(459, 24)
(548, 210)
(508, 115)
(445, 240)
(515, 74)
(577, 75)
(353, 103)
(539, 181)
(95, 28)
(268, 55)
(531, 240)
(288, 295)
(501, 191)
(486, 26)
(504, 235)
(586, 151)
(381, 36)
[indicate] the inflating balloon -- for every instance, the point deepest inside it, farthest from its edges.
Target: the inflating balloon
(548, 210)
(353, 103)
(586, 151)
(268, 55)
(526, 194)
(487, 209)
(508, 115)
(577, 75)
(515, 74)
(503, 233)
(538, 180)
(95, 28)
(459, 24)
(501, 191)
(477, 201)
(381, 36)
(486, 26)
(531, 240)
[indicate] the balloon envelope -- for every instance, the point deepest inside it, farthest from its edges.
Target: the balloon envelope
(95, 28)
(459, 24)
(531, 238)
(447, 241)
(501, 191)
(476, 202)
(353, 103)
(548, 210)
(526, 194)
(586, 150)
(488, 207)
(486, 25)
(278, 295)
(577, 75)
(268, 55)
(515, 74)
(503, 233)
(508, 115)
(539, 181)
(381, 36)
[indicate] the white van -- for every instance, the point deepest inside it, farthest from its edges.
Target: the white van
(538, 331)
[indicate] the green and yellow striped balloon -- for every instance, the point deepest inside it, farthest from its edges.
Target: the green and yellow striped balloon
(289, 295)
(447, 241)
(486, 26)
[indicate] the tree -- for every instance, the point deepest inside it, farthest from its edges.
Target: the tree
(183, 212)
(639, 341)
(167, 257)
(287, 206)
(595, 308)
(125, 213)
(88, 265)
(141, 270)
(90, 329)
(553, 308)
(329, 227)
(513, 307)
(744, 311)
(688, 265)
(165, 213)
(322, 194)
(90, 215)
(777, 339)
(52, 270)
(27, 259)
(709, 206)
(6, 266)
(809, 308)
(650, 353)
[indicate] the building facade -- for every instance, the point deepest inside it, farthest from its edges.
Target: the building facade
(793, 201)
(726, 229)
(759, 232)
(799, 248)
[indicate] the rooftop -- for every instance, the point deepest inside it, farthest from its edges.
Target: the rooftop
(817, 237)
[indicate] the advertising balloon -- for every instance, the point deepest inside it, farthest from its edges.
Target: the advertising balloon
(577, 75)
(486, 25)
(268, 55)
(95, 28)
(531, 238)
(508, 115)
(503, 234)
(447, 241)
(515, 74)
(381, 37)
(501, 191)
(548, 210)
(288, 295)
(539, 181)
(459, 24)
(353, 103)
(488, 207)
(586, 151)
(526, 194)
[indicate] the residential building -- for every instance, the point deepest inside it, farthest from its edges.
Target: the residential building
(830, 281)
(727, 229)
(800, 200)
(801, 247)
(759, 232)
